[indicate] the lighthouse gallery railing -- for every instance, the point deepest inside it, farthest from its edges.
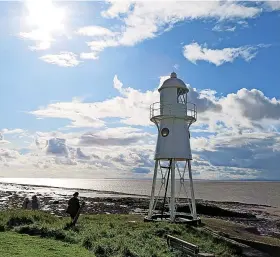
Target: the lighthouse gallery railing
(160, 110)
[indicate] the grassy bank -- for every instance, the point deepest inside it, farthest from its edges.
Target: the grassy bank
(101, 235)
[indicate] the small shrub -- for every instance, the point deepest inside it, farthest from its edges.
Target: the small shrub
(18, 221)
(59, 235)
(29, 230)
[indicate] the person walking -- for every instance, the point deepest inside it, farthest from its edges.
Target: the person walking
(26, 204)
(35, 205)
(73, 207)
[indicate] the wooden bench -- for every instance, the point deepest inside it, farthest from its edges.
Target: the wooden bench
(189, 249)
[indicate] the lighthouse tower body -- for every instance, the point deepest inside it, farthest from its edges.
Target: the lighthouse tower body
(174, 120)
(173, 116)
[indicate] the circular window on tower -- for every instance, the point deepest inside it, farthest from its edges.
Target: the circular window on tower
(165, 132)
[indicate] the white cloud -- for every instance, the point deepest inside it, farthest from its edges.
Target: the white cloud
(252, 106)
(222, 156)
(99, 45)
(245, 109)
(114, 152)
(145, 20)
(64, 59)
(8, 154)
(43, 41)
(12, 131)
(117, 8)
(274, 5)
(247, 154)
(131, 107)
(195, 52)
(2, 140)
(95, 31)
(114, 136)
(242, 139)
(89, 56)
(219, 28)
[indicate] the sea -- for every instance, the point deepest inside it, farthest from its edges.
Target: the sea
(250, 192)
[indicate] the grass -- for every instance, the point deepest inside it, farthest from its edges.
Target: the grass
(13, 244)
(105, 235)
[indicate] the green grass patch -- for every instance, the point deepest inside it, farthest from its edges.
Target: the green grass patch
(111, 235)
(12, 244)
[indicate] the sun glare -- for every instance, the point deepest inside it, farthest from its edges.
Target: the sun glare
(44, 20)
(45, 16)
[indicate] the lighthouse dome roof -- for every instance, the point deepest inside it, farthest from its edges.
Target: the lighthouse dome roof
(173, 82)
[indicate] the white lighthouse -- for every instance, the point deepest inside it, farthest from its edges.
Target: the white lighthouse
(173, 116)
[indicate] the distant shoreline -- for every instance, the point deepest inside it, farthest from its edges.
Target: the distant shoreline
(250, 192)
(73, 189)
(124, 178)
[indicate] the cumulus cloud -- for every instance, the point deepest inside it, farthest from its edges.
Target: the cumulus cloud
(240, 134)
(66, 154)
(57, 146)
(245, 109)
(256, 153)
(63, 59)
(195, 52)
(114, 136)
(131, 107)
(204, 102)
(81, 155)
(252, 104)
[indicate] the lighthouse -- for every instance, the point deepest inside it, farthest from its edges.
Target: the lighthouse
(173, 116)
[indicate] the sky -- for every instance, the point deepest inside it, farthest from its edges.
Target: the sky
(78, 78)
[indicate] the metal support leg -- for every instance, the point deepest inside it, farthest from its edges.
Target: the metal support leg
(192, 190)
(172, 200)
(153, 190)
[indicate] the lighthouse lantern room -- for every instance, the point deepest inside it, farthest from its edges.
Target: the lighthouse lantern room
(173, 116)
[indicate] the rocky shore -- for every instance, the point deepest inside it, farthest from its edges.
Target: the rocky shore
(260, 219)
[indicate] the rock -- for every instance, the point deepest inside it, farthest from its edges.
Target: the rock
(276, 234)
(253, 230)
(56, 202)
(213, 210)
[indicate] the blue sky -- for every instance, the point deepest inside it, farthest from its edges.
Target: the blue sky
(77, 79)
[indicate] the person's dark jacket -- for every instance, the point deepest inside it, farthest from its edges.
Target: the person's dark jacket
(73, 206)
